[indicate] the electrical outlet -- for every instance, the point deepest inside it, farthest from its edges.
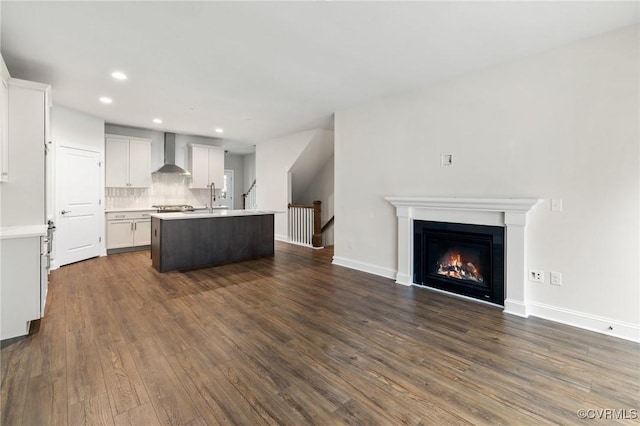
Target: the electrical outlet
(446, 160)
(536, 275)
(556, 278)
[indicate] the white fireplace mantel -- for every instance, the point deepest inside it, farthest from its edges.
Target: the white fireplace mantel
(510, 213)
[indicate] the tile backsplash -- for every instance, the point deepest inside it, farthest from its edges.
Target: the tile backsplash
(165, 189)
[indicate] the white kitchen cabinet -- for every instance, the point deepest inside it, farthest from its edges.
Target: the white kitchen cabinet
(119, 234)
(141, 232)
(4, 132)
(206, 164)
(140, 163)
(128, 162)
(21, 279)
(23, 195)
(128, 229)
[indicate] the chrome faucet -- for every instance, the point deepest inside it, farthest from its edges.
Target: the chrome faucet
(212, 196)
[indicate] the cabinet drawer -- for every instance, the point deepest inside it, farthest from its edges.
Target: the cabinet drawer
(129, 215)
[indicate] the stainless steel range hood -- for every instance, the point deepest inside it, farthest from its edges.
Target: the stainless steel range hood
(170, 157)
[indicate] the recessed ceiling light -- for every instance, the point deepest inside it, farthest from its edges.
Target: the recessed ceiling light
(219, 130)
(119, 75)
(106, 100)
(157, 121)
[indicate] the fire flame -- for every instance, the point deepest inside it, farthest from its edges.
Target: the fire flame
(456, 268)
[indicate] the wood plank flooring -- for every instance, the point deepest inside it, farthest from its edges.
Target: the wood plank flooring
(293, 340)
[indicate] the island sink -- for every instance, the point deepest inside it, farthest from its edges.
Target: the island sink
(195, 239)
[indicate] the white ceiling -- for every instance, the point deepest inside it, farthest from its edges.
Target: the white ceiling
(264, 69)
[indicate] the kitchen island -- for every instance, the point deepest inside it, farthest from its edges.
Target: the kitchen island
(194, 239)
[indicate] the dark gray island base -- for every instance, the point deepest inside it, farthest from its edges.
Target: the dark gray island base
(184, 241)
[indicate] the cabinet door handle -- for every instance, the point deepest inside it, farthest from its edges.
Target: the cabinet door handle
(135, 226)
(132, 226)
(65, 211)
(119, 215)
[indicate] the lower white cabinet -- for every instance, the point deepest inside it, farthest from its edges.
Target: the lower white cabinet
(20, 284)
(128, 229)
(142, 232)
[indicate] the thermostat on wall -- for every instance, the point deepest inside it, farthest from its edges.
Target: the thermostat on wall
(446, 160)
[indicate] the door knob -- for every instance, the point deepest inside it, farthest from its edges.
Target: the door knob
(65, 211)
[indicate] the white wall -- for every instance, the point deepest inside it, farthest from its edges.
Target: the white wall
(249, 171)
(310, 163)
(274, 159)
(563, 124)
(77, 129)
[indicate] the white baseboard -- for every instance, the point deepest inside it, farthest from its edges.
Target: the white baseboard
(280, 237)
(515, 307)
(365, 267)
(622, 330)
(302, 244)
(404, 279)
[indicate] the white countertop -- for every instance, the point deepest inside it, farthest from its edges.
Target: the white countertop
(23, 231)
(131, 209)
(153, 209)
(206, 214)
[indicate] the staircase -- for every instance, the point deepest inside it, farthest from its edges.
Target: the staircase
(311, 183)
(304, 225)
(249, 198)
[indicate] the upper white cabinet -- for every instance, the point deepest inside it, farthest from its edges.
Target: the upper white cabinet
(128, 162)
(24, 193)
(206, 164)
(4, 132)
(4, 122)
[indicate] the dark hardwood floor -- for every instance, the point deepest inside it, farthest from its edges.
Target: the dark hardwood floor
(294, 340)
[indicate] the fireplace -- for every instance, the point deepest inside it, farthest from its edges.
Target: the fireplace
(509, 214)
(460, 258)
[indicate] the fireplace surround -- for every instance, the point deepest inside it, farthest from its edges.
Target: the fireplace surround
(508, 213)
(460, 258)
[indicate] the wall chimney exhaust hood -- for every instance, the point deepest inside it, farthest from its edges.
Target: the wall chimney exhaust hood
(170, 158)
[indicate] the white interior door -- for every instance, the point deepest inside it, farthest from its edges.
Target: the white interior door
(78, 215)
(227, 190)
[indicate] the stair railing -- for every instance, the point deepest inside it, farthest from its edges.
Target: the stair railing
(327, 236)
(326, 225)
(304, 224)
(249, 197)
